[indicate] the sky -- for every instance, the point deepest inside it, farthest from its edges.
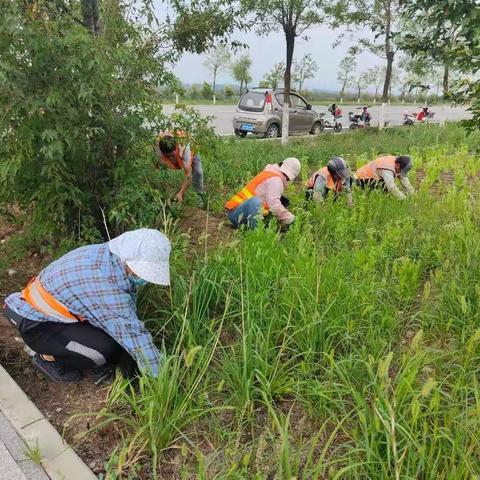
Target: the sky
(266, 51)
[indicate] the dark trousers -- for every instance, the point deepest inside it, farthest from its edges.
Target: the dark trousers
(371, 184)
(74, 345)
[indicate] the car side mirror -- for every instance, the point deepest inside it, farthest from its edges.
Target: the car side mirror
(309, 107)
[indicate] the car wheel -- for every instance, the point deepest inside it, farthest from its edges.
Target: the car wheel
(317, 128)
(338, 127)
(273, 131)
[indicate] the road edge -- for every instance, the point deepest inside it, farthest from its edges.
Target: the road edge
(58, 459)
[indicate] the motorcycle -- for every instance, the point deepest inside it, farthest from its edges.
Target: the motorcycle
(360, 120)
(412, 118)
(334, 124)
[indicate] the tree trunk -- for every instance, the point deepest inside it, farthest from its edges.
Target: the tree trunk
(241, 87)
(342, 91)
(89, 9)
(359, 91)
(390, 54)
(446, 80)
(290, 40)
(388, 76)
(214, 82)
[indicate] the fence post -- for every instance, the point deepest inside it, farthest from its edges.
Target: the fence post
(214, 99)
(176, 99)
(381, 119)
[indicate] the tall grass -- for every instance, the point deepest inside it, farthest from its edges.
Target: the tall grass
(346, 348)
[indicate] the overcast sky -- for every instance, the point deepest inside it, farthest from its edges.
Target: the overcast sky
(266, 51)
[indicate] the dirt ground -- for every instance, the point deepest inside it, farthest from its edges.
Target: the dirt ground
(62, 403)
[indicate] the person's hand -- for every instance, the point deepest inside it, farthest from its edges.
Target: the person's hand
(179, 197)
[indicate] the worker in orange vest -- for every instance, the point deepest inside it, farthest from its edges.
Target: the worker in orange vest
(263, 195)
(382, 172)
(180, 157)
(335, 177)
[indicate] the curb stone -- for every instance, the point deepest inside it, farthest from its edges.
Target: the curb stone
(58, 459)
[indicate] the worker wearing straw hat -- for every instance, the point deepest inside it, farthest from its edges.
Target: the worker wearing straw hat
(263, 195)
(79, 312)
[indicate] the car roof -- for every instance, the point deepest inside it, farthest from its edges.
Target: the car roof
(268, 89)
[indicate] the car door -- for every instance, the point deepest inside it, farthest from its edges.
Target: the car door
(303, 117)
(278, 110)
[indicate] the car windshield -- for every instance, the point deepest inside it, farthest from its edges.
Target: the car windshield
(252, 102)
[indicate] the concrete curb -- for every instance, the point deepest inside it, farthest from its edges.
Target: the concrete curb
(58, 459)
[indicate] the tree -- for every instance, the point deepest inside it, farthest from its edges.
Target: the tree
(194, 91)
(293, 17)
(241, 71)
(274, 77)
(216, 59)
(361, 82)
(77, 110)
(228, 91)
(207, 91)
(374, 78)
(383, 18)
(345, 70)
(304, 69)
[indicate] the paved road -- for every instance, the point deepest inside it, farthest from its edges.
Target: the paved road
(223, 114)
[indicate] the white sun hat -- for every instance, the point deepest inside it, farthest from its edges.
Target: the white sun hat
(291, 167)
(146, 252)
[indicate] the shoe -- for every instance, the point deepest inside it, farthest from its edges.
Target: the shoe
(56, 372)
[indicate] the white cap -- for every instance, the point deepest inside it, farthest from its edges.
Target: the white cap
(146, 252)
(291, 167)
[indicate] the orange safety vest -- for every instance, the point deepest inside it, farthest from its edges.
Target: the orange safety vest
(331, 185)
(369, 171)
(38, 298)
(249, 191)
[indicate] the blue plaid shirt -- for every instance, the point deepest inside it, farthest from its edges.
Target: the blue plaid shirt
(92, 283)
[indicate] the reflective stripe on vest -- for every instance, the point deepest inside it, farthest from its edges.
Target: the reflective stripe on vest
(331, 185)
(249, 191)
(369, 171)
(37, 297)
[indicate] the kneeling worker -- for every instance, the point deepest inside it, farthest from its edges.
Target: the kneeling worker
(180, 157)
(79, 313)
(335, 177)
(382, 172)
(263, 195)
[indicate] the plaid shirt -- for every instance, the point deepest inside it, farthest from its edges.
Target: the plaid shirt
(92, 283)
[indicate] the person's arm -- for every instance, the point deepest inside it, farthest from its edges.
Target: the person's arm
(348, 192)
(114, 311)
(320, 189)
(406, 184)
(274, 190)
(132, 335)
(389, 179)
(187, 169)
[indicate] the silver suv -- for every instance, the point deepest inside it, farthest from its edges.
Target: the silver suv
(259, 111)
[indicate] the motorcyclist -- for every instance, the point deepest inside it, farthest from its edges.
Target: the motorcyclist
(365, 115)
(423, 114)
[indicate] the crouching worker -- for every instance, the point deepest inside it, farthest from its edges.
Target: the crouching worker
(263, 195)
(180, 157)
(335, 178)
(79, 313)
(382, 172)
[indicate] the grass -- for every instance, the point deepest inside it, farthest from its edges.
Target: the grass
(345, 348)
